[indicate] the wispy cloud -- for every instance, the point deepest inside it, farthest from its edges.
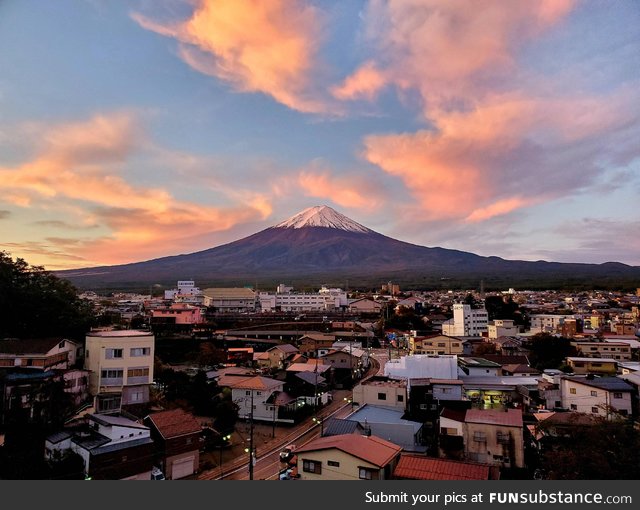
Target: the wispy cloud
(4, 214)
(81, 163)
(255, 46)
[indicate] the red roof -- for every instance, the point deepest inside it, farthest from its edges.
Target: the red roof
(510, 417)
(371, 449)
(416, 467)
(175, 423)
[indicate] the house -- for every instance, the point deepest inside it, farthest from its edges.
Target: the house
(120, 365)
(597, 366)
(390, 424)
(347, 367)
(348, 457)
(178, 314)
(519, 369)
(427, 396)
(338, 427)
(313, 345)
(435, 345)
(39, 353)
(601, 396)
(382, 391)
(252, 393)
(176, 437)
(419, 467)
(485, 435)
(279, 355)
(552, 427)
(112, 447)
(478, 367)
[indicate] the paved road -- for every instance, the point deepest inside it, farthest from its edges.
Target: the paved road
(268, 463)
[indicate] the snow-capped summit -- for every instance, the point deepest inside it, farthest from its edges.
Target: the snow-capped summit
(323, 216)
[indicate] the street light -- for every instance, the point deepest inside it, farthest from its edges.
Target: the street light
(321, 422)
(349, 400)
(223, 439)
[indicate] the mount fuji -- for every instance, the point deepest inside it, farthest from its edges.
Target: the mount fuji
(321, 245)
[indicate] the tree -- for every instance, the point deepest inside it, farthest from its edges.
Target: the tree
(35, 303)
(548, 351)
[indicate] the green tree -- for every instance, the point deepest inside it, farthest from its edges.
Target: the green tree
(35, 303)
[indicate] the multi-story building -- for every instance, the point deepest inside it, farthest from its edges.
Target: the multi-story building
(177, 313)
(186, 288)
(289, 301)
(603, 396)
(467, 321)
(382, 391)
(502, 327)
(39, 353)
(548, 323)
(121, 367)
(597, 366)
(612, 350)
(236, 300)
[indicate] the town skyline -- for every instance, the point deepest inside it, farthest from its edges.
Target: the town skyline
(132, 132)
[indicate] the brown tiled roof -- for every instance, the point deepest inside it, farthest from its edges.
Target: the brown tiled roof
(28, 346)
(174, 423)
(510, 417)
(256, 383)
(520, 369)
(416, 467)
(371, 449)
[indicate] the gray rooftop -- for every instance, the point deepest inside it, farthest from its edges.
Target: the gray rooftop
(604, 383)
(338, 427)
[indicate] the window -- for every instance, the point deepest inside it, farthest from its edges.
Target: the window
(479, 437)
(400, 398)
(136, 352)
(574, 407)
(61, 344)
(617, 395)
(115, 373)
(333, 463)
(572, 391)
(113, 353)
(382, 396)
(594, 393)
(312, 466)
(247, 393)
(367, 474)
(138, 372)
(594, 410)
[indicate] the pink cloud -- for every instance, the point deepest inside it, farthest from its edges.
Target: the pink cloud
(256, 46)
(365, 83)
(79, 164)
(351, 191)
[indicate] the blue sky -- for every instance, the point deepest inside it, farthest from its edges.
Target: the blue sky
(138, 129)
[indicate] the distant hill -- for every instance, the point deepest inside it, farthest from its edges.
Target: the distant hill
(320, 245)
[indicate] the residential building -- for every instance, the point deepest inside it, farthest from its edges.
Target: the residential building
(251, 395)
(112, 447)
(548, 323)
(230, 300)
(477, 367)
(391, 424)
(39, 353)
(502, 327)
(607, 397)
(176, 437)
(280, 354)
(419, 467)
(435, 345)
(348, 457)
(313, 345)
(365, 305)
(467, 321)
(487, 436)
(185, 288)
(598, 366)
(611, 350)
(338, 427)
(177, 313)
(120, 365)
(382, 391)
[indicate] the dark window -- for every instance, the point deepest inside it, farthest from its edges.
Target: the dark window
(367, 474)
(400, 398)
(311, 466)
(382, 396)
(333, 463)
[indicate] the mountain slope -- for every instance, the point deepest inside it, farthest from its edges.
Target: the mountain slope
(320, 245)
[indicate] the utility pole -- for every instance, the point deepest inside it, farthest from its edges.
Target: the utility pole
(251, 440)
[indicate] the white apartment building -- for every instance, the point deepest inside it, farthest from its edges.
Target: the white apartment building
(285, 300)
(184, 288)
(120, 365)
(502, 327)
(466, 321)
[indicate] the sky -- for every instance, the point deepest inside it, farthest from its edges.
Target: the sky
(136, 129)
